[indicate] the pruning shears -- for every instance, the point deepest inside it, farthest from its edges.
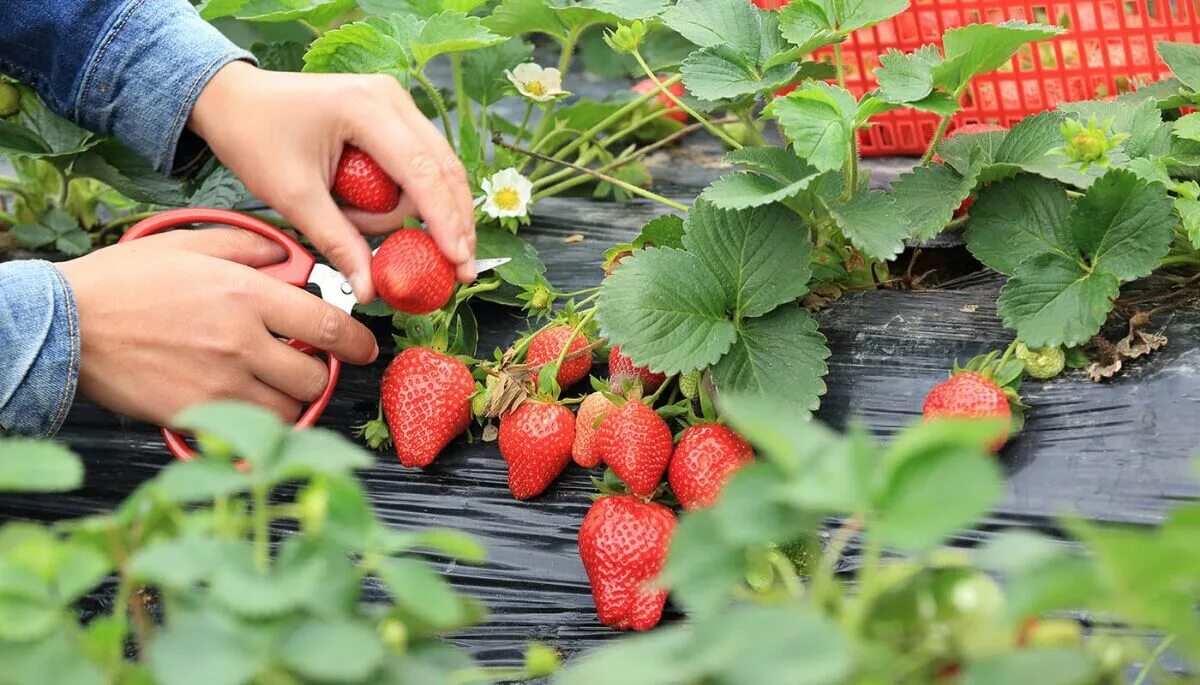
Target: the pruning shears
(300, 269)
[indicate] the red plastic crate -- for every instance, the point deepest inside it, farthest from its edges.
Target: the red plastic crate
(1108, 49)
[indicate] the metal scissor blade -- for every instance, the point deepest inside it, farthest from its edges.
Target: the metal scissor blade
(482, 265)
(335, 289)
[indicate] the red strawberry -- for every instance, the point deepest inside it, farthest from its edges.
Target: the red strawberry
(623, 543)
(969, 395)
(427, 402)
(706, 457)
(362, 183)
(636, 444)
(411, 274)
(621, 372)
(546, 347)
(770, 4)
(646, 86)
(592, 410)
(535, 441)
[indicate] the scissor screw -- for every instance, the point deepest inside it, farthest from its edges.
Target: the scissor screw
(347, 289)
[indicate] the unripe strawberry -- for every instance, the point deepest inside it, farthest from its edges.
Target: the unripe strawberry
(689, 384)
(547, 346)
(10, 99)
(1042, 364)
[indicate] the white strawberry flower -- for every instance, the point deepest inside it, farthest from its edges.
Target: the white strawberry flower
(537, 83)
(507, 194)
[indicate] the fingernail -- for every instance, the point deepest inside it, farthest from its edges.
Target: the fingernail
(362, 285)
(462, 249)
(375, 354)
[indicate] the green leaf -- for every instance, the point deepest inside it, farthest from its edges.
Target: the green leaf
(961, 150)
(1125, 224)
(33, 235)
(1188, 127)
(252, 432)
(762, 257)
(332, 651)
(621, 9)
(74, 243)
(483, 69)
(1141, 122)
(708, 23)
(1019, 219)
(203, 648)
(526, 267)
(781, 355)
(782, 164)
(318, 451)
(113, 164)
(1052, 300)
(981, 48)
(907, 77)
(450, 32)
(317, 12)
(23, 619)
(653, 658)
(1183, 60)
(18, 140)
(780, 432)
(811, 24)
(929, 195)
(179, 563)
(201, 480)
(280, 55)
(221, 188)
(666, 311)
(746, 191)
(818, 119)
(720, 72)
(869, 220)
(60, 136)
(420, 590)
(80, 570)
(1043, 666)
(358, 48)
(452, 543)
(38, 466)
(664, 231)
(56, 659)
(517, 17)
(771, 644)
(244, 590)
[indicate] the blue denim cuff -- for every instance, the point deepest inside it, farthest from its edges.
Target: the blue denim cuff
(146, 71)
(39, 334)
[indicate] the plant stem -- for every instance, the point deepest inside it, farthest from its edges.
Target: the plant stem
(524, 121)
(1152, 660)
(261, 528)
(841, 68)
(616, 116)
(590, 153)
(715, 130)
(851, 169)
(937, 139)
(603, 177)
(464, 104)
(1179, 260)
(748, 121)
(823, 578)
(439, 104)
(786, 572)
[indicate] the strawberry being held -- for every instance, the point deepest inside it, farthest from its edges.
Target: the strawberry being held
(594, 408)
(706, 457)
(970, 395)
(362, 183)
(547, 345)
(426, 398)
(622, 372)
(535, 441)
(623, 544)
(636, 444)
(411, 274)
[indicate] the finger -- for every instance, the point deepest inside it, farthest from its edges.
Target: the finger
(315, 214)
(298, 375)
(257, 392)
(371, 223)
(466, 272)
(232, 244)
(294, 313)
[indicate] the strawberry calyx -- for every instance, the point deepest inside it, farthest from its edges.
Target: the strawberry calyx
(611, 484)
(374, 432)
(1007, 373)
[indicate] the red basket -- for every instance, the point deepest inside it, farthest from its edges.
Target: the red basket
(1108, 49)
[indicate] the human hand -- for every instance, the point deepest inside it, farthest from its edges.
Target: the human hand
(181, 318)
(283, 134)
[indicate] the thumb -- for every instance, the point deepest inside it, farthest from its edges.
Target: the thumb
(232, 244)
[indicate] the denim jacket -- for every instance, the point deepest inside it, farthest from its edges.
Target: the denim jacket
(131, 68)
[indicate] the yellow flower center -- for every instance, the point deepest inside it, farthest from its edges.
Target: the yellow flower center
(535, 88)
(507, 199)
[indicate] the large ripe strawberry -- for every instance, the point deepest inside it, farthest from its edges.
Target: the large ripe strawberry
(636, 444)
(594, 408)
(673, 112)
(969, 395)
(623, 543)
(411, 274)
(547, 345)
(535, 441)
(622, 372)
(362, 183)
(706, 456)
(427, 401)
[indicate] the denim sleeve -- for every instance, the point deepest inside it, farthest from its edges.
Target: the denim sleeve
(39, 336)
(132, 68)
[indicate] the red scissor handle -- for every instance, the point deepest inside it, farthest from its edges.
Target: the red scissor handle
(295, 270)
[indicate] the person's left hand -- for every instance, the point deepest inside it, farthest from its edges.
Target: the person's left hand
(283, 134)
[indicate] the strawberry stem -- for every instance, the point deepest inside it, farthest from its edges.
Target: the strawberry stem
(439, 104)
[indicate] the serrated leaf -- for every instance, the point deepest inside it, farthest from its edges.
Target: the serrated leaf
(870, 220)
(762, 257)
(80, 571)
(709, 23)
(1189, 213)
(517, 17)
(61, 137)
(483, 69)
(1187, 127)
(781, 355)
(720, 72)
(421, 590)
(246, 591)
(1183, 60)
(221, 188)
(38, 466)
(818, 119)
(907, 77)
(358, 48)
(929, 195)
(981, 48)
(959, 151)
(32, 236)
(621, 9)
(450, 32)
(252, 432)
(1125, 224)
(210, 645)
(280, 55)
(18, 140)
(782, 164)
(666, 311)
(744, 191)
(332, 651)
(73, 243)
(1052, 300)
(317, 451)
(317, 12)
(526, 267)
(1018, 219)
(663, 231)
(177, 564)
(811, 24)
(113, 164)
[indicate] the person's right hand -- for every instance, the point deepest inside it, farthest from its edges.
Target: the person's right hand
(181, 318)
